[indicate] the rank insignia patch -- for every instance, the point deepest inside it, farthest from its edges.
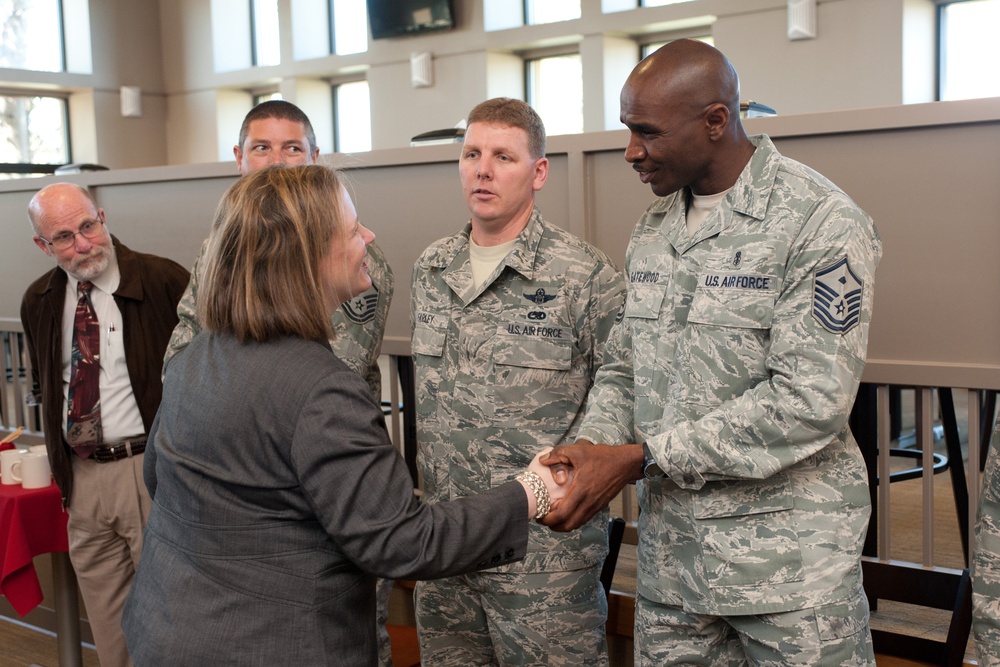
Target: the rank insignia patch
(361, 309)
(837, 297)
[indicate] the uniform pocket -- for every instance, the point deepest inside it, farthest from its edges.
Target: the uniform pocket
(724, 308)
(428, 341)
(644, 301)
(534, 383)
(749, 533)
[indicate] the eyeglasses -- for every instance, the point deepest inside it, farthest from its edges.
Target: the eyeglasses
(63, 240)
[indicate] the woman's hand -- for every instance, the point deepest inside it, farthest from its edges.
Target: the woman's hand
(556, 478)
(544, 485)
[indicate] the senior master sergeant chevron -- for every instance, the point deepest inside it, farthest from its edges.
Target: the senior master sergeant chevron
(737, 362)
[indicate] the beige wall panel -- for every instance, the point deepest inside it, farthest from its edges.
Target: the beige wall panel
(192, 131)
(926, 173)
(616, 201)
(126, 143)
(22, 260)
(175, 226)
(400, 111)
(934, 196)
(855, 61)
(127, 50)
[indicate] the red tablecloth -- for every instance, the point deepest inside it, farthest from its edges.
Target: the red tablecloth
(32, 522)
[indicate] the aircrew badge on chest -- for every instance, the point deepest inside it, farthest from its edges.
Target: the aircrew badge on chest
(837, 292)
(361, 309)
(539, 297)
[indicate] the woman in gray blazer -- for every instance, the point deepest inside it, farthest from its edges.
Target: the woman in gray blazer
(277, 495)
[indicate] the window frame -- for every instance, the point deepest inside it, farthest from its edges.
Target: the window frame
(41, 168)
(528, 5)
(535, 55)
(61, 41)
(941, 47)
(254, 55)
(335, 85)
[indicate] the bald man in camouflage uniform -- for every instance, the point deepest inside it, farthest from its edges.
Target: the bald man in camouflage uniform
(734, 370)
(986, 562)
(509, 318)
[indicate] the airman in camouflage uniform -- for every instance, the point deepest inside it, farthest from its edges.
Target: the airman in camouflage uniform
(986, 562)
(503, 367)
(278, 132)
(736, 365)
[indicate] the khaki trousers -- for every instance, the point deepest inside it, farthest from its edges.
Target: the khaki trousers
(107, 513)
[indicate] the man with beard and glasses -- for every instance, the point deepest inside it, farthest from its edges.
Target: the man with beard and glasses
(96, 327)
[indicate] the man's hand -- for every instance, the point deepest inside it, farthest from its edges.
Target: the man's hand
(599, 472)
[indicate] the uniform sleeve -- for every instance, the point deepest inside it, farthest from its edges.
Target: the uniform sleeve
(188, 325)
(813, 362)
(610, 403)
(986, 562)
(361, 492)
(359, 344)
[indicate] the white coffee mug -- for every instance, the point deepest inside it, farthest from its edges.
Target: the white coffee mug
(33, 471)
(35, 449)
(8, 458)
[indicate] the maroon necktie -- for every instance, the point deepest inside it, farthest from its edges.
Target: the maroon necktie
(83, 421)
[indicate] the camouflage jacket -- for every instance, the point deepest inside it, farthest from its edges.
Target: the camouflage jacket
(986, 562)
(737, 361)
(503, 371)
(359, 323)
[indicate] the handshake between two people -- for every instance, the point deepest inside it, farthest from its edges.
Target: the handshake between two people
(582, 478)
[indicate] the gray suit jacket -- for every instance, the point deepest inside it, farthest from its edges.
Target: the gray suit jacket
(277, 499)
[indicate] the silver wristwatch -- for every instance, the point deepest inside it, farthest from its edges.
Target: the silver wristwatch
(650, 468)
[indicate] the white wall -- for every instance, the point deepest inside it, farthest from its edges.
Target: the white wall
(868, 53)
(857, 60)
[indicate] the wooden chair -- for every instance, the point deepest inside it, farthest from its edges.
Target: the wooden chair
(938, 588)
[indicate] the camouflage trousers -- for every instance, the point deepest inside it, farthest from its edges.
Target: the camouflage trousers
(832, 635)
(547, 618)
(383, 589)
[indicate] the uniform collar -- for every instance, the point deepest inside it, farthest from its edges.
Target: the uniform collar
(453, 258)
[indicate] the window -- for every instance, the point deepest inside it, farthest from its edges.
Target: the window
(352, 117)
(33, 135)
(350, 26)
(265, 33)
(966, 45)
(555, 91)
(551, 11)
(32, 36)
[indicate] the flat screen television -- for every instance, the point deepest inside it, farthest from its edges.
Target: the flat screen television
(392, 18)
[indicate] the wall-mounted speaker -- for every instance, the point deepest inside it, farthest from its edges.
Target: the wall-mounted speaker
(801, 19)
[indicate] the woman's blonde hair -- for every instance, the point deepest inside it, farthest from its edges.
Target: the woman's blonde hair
(261, 275)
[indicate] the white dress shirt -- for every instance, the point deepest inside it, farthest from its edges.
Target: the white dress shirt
(120, 417)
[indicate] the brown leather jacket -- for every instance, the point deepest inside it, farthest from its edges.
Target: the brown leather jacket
(147, 297)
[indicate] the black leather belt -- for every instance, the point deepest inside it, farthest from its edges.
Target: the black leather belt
(119, 451)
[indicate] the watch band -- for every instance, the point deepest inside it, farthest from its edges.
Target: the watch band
(650, 468)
